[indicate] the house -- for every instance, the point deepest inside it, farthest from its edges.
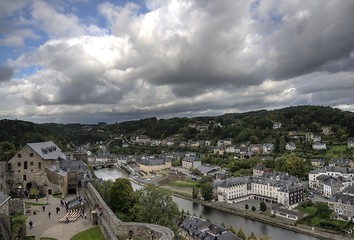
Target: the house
(202, 127)
(219, 151)
(142, 140)
(191, 161)
(230, 149)
(328, 185)
(206, 169)
(319, 146)
(326, 131)
(277, 125)
(341, 163)
(342, 204)
(345, 172)
(290, 146)
(351, 142)
(286, 213)
(311, 137)
(259, 170)
(192, 227)
(317, 162)
(151, 164)
(255, 148)
(267, 148)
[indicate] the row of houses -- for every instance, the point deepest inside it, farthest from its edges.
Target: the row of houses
(336, 184)
(192, 227)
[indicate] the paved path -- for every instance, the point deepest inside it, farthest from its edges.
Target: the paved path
(43, 226)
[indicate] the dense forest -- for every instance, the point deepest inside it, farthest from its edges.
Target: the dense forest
(255, 127)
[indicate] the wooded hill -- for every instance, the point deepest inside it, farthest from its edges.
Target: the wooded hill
(255, 127)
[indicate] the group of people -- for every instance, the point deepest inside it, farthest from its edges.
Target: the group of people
(70, 203)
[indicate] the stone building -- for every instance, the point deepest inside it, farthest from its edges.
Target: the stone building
(154, 164)
(46, 167)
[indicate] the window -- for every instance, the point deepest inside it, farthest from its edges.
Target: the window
(31, 154)
(39, 165)
(19, 155)
(9, 167)
(19, 164)
(31, 163)
(25, 165)
(24, 178)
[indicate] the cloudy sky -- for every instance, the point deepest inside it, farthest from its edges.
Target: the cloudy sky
(89, 60)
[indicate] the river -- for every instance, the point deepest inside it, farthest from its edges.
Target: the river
(219, 216)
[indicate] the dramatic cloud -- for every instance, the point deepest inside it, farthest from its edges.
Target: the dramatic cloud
(174, 58)
(6, 73)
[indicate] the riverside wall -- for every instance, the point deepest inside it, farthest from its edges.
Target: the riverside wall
(114, 229)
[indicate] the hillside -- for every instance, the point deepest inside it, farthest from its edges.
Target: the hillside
(255, 127)
(19, 133)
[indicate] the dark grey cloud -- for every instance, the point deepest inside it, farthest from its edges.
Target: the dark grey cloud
(6, 73)
(186, 58)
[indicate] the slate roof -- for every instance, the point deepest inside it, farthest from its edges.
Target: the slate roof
(47, 150)
(3, 198)
(191, 158)
(73, 165)
(344, 198)
(202, 229)
(57, 170)
(206, 169)
(284, 186)
(348, 190)
(153, 161)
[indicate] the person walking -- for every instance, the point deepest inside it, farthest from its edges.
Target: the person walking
(43, 207)
(49, 213)
(30, 224)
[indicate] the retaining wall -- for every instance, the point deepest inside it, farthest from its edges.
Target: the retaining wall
(115, 229)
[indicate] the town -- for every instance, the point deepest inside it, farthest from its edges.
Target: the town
(244, 178)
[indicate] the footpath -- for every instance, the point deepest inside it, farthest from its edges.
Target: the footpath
(45, 226)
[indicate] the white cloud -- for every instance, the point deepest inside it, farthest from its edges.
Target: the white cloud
(187, 57)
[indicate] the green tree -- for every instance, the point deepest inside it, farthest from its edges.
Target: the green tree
(156, 206)
(122, 199)
(241, 234)
(195, 192)
(294, 165)
(322, 210)
(34, 192)
(263, 206)
(206, 191)
(7, 151)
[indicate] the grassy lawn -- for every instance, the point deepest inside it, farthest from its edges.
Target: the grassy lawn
(47, 238)
(29, 204)
(183, 184)
(90, 234)
(307, 210)
(336, 150)
(316, 220)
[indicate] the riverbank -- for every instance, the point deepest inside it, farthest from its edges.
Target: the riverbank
(264, 218)
(274, 221)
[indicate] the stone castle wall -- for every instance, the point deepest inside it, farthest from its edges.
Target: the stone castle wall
(114, 229)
